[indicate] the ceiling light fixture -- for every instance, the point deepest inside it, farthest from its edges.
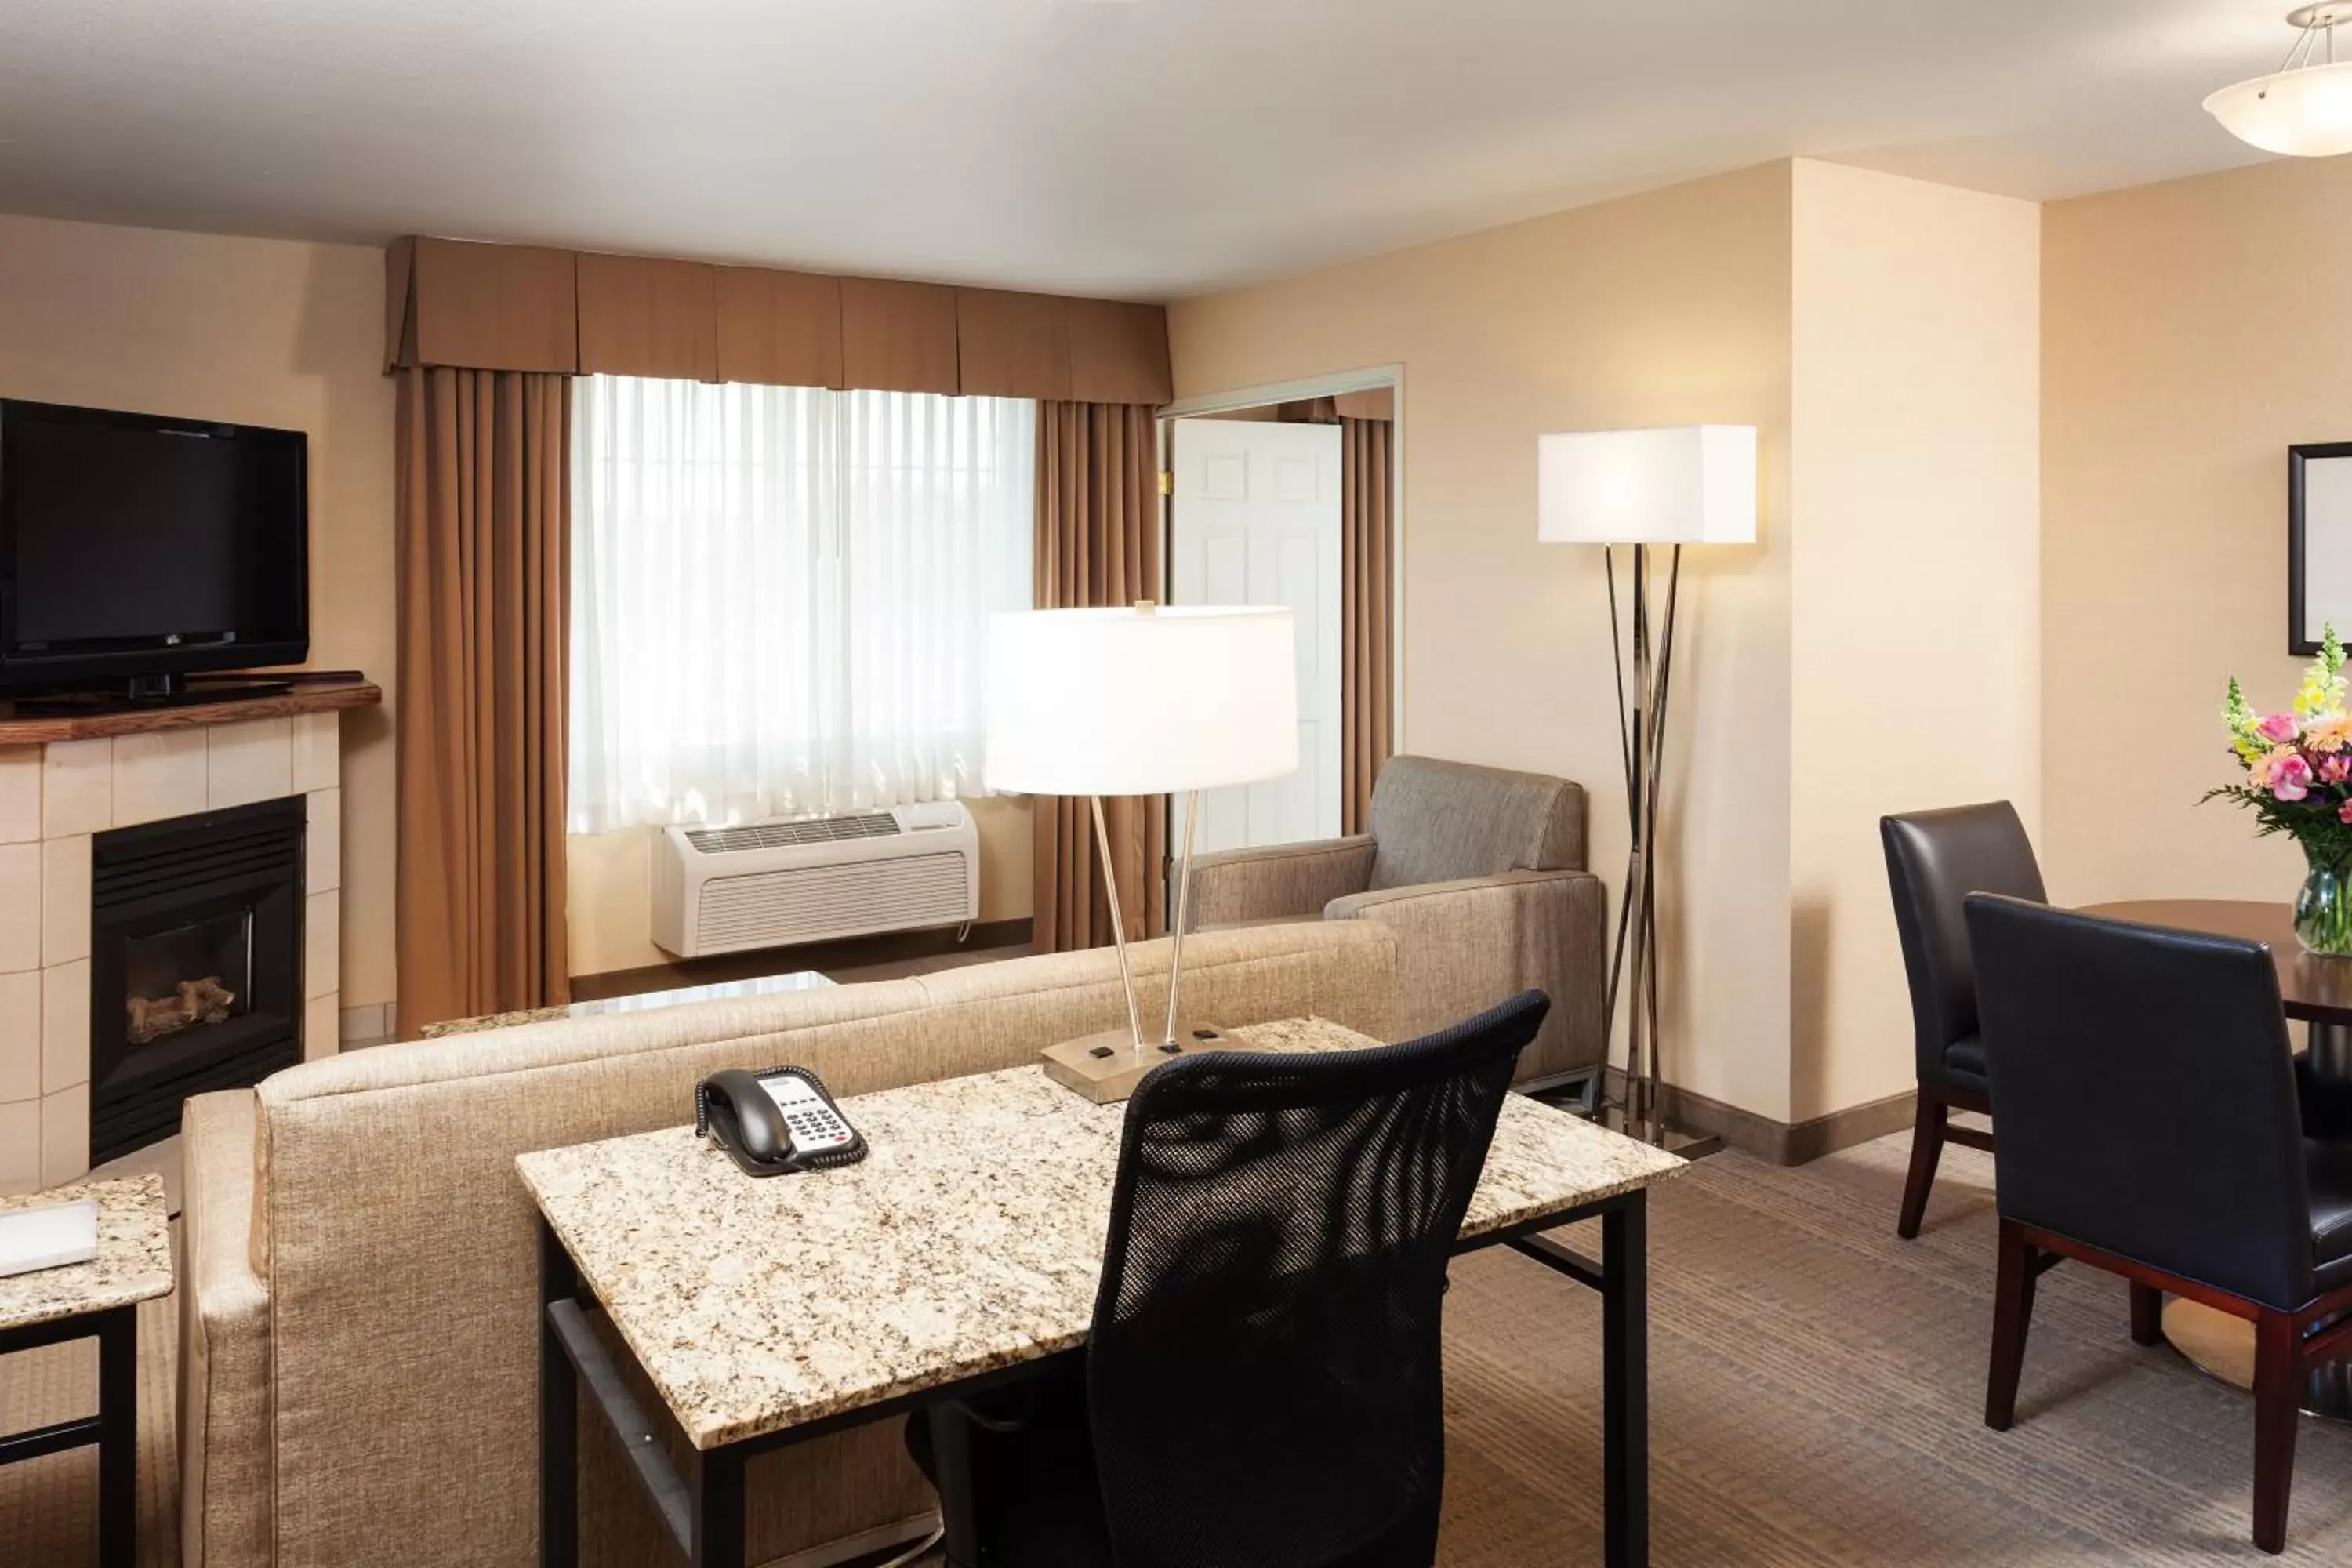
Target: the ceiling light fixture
(2305, 108)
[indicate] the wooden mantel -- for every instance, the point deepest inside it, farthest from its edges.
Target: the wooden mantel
(319, 691)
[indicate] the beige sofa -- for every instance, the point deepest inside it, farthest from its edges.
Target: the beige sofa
(1479, 871)
(359, 1307)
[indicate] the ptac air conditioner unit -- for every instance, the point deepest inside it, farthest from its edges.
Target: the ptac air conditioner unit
(818, 879)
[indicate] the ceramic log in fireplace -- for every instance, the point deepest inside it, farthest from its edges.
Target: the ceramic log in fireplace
(195, 964)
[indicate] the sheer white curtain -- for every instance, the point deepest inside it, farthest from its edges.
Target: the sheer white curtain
(780, 595)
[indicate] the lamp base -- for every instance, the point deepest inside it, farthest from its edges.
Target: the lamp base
(1106, 1068)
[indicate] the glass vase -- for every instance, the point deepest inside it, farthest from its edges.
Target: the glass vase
(2322, 910)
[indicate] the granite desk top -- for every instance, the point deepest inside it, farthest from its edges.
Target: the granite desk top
(969, 1238)
(134, 1261)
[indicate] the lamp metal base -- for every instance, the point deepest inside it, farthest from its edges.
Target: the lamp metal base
(1106, 1068)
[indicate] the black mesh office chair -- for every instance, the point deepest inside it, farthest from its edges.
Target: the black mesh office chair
(2149, 1126)
(1934, 859)
(1261, 1387)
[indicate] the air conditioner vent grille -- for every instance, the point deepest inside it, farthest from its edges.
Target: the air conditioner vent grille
(817, 903)
(790, 835)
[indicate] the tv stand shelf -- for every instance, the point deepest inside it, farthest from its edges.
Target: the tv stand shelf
(319, 691)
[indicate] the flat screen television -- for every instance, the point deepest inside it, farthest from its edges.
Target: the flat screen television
(135, 549)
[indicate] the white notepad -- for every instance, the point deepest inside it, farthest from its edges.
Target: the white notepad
(48, 1237)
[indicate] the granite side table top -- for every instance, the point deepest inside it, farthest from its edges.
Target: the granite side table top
(969, 1238)
(638, 1002)
(134, 1262)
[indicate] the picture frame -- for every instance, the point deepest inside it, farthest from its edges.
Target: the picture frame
(2318, 543)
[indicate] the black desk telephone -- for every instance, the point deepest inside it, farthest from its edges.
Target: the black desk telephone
(775, 1121)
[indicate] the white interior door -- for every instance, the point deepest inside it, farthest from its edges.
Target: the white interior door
(1257, 522)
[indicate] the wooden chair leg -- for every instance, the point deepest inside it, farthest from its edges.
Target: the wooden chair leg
(2013, 1312)
(1927, 1149)
(2278, 1387)
(2147, 1314)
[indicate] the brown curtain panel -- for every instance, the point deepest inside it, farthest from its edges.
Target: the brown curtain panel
(1097, 544)
(482, 495)
(1367, 608)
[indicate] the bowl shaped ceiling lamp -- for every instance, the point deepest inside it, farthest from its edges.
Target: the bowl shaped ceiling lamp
(1141, 700)
(2305, 108)
(1692, 484)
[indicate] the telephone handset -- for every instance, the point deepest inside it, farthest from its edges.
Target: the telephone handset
(774, 1122)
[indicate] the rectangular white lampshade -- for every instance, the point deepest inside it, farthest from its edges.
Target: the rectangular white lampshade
(1688, 484)
(1141, 701)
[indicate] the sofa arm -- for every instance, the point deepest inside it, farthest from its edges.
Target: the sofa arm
(225, 1411)
(1464, 946)
(1287, 881)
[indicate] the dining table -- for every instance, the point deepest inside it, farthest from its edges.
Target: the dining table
(2316, 991)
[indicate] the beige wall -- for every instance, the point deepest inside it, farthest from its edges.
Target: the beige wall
(255, 331)
(2192, 331)
(1914, 667)
(612, 886)
(1667, 307)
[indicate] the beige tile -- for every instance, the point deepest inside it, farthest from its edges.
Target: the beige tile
(159, 775)
(20, 906)
(65, 899)
(20, 1035)
(20, 793)
(324, 840)
(368, 1026)
(321, 1036)
(323, 945)
(65, 1025)
(317, 751)
(20, 1147)
(65, 1135)
(249, 762)
(77, 787)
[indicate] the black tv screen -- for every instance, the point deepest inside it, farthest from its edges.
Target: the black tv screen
(134, 546)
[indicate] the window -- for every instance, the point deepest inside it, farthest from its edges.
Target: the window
(780, 595)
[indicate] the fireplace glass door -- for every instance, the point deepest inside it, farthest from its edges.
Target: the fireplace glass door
(193, 976)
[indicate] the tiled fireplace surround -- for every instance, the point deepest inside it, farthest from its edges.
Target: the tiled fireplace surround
(53, 797)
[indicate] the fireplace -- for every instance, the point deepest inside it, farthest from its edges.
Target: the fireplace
(195, 964)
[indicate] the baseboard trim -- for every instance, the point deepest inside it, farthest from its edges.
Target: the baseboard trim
(893, 947)
(1781, 1142)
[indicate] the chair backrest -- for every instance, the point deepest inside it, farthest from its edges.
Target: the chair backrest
(1435, 821)
(2143, 1091)
(1264, 1377)
(1935, 860)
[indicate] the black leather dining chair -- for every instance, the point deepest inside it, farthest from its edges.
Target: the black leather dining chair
(2149, 1126)
(1934, 859)
(1261, 1387)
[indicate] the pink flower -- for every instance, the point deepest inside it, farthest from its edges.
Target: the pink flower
(2344, 812)
(2335, 768)
(2290, 776)
(2279, 729)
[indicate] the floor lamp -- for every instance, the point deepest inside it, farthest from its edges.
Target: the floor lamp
(1692, 484)
(1140, 700)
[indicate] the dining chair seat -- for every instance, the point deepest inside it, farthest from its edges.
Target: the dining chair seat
(1964, 1062)
(2327, 1169)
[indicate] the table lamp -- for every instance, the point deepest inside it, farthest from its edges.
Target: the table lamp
(1150, 700)
(1692, 484)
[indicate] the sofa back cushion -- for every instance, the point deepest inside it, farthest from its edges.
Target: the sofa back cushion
(1436, 821)
(402, 1249)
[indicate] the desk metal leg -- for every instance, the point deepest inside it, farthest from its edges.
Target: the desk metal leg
(559, 1414)
(719, 1510)
(1625, 1380)
(118, 1438)
(951, 1465)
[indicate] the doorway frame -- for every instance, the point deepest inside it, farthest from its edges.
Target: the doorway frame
(1208, 404)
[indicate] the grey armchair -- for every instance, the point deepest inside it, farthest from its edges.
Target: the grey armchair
(1480, 872)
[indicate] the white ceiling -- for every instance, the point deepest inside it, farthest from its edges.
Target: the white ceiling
(1147, 148)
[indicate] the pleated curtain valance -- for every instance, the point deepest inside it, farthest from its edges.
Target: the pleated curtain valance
(525, 308)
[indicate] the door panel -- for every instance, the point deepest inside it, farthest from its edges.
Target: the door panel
(1256, 521)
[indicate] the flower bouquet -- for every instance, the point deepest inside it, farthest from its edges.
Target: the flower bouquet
(2299, 782)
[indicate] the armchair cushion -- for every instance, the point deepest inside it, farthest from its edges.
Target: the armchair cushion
(1436, 821)
(225, 1372)
(1466, 944)
(1282, 882)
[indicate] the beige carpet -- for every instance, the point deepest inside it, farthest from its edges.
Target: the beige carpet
(1816, 1397)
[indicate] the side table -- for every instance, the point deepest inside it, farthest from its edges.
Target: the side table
(98, 1300)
